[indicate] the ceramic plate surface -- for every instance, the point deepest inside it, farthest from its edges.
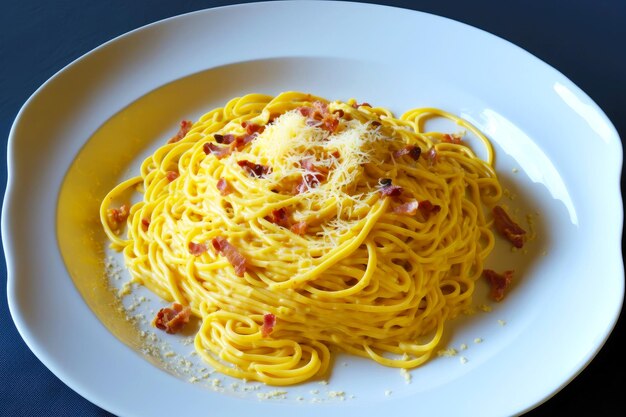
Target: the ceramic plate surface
(86, 128)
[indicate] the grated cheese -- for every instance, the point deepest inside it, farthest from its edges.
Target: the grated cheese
(289, 140)
(447, 352)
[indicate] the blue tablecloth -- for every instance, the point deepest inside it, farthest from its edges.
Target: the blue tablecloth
(584, 39)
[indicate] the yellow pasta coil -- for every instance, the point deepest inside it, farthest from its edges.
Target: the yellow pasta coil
(363, 272)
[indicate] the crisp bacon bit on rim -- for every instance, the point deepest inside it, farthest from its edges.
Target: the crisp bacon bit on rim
(409, 208)
(413, 151)
(357, 105)
(171, 175)
(299, 228)
(145, 224)
(508, 228)
(185, 127)
(252, 127)
(269, 321)
(256, 170)
(197, 249)
(499, 283)
(387, 189)
(376, 123)
(117, 216)
(224, 187)
(172, 319)
(236, 259)
(454, 138)
(426, 207)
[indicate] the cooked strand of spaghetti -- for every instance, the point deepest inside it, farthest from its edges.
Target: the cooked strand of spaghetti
(353, 229)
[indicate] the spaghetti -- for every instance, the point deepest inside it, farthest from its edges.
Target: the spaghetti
(292, 226)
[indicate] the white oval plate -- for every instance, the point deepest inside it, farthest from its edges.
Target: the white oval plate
(567, 152)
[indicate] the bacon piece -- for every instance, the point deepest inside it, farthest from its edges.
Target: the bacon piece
(299, 228)
(241, 141)
(236, 143)
(357, 105)
(252, 127)
(305, 111)
(256, 170)
(224, 187)
(224, 139)
(387, 189)
(409, 208)
(432, 156)
(329, 121)
(508, 228)
(391, 190)
(330, 124)
(454, 138)
(427, 208)
(316, 112)
(411, 150)
(312, 178)
(185, 127)
(499, 283)
(319, 115)
(309, 165)
(171, 175)
(280, 217)
(308, 181)
(269, 321)
(236, 259)
(172, 319)
(117, 216)
(320, 107)
(219, 151)
(197, 249)
(145, 224)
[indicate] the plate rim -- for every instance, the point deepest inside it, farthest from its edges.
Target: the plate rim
(8, 202)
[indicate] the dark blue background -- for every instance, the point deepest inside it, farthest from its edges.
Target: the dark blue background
(584, 39)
